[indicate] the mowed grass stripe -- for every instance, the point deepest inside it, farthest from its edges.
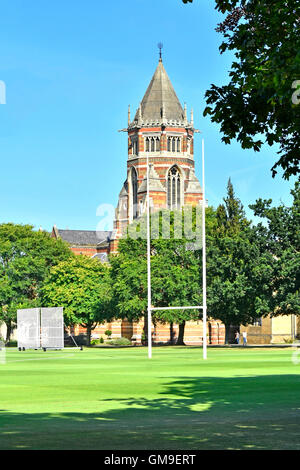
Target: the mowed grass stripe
(117, 398)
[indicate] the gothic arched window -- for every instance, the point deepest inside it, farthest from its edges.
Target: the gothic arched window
(134, 193)
(174, 188)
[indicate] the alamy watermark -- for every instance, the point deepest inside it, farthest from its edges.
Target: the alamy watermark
(181, 224)
(2, 92)
(296, 94)
(107, 212)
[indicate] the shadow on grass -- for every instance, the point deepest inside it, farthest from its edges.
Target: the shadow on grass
(261, 412)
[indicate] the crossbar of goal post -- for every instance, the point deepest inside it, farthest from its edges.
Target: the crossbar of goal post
(190, 307)
(204, 306)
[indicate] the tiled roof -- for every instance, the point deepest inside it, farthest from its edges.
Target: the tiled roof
(84, 237)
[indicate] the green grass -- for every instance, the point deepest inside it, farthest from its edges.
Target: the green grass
(118, 399)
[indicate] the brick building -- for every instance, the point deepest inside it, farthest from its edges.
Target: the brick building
(86, 242)
(162, 131)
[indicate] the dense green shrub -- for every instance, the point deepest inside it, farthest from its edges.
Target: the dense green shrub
(120, 342)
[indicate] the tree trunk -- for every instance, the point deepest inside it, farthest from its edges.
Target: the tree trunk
(88, 335)
(146, 330)
(227, 333)
(180, 341)
(9, 331)
(171, 333)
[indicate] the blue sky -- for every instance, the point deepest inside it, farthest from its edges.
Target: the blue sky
(71, 68)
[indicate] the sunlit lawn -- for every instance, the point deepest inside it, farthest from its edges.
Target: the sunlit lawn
(118, 399)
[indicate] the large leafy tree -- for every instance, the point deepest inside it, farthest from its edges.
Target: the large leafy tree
(282, 229)
(25, 259)
(239, 267)
(82, 286)
(239, 279)
(261, 102)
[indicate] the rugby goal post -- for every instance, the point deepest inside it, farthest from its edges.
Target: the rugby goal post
(200, 307)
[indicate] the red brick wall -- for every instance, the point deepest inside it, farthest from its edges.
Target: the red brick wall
(88, 251)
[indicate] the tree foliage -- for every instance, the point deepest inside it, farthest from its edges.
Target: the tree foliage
(283, 242)
(25, 259)
(256, 106)
(82, 286)
(176, 280)
(231, 218)
(238, 271)
(239, 268)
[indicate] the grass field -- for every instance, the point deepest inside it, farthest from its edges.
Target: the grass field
(118, 399)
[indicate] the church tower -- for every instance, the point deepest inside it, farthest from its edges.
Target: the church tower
(162, 131)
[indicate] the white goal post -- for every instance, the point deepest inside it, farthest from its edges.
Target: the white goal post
(200, 307)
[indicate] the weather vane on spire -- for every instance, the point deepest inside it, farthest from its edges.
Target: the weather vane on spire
(160, 46)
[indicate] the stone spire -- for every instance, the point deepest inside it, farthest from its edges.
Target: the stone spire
(160, 99)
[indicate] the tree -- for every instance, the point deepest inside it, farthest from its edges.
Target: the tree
(239, 267)
(231, 217)
(283, 242)
(238, 272)
(176, 281)
(261, 98)
(174, 273)
(238, 284)
(82, 286)
(25, 259)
